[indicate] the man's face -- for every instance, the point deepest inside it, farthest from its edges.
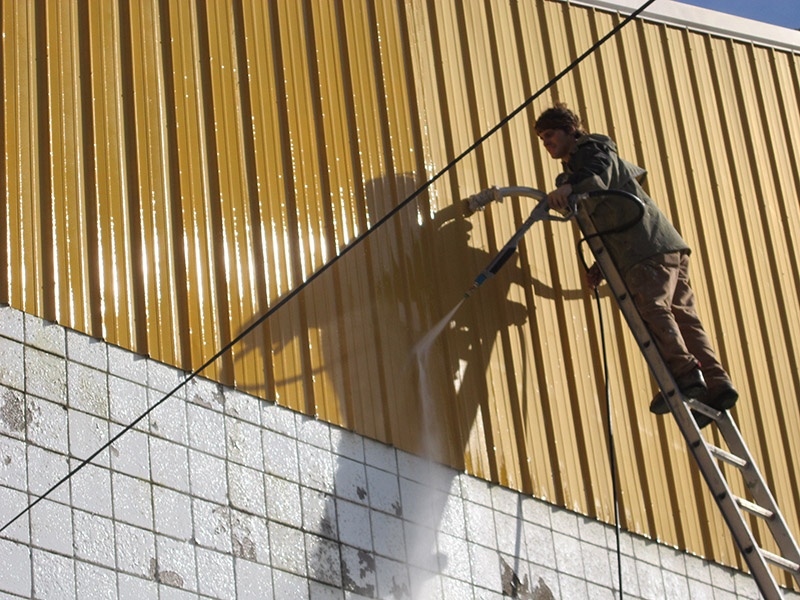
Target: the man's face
(557, 142)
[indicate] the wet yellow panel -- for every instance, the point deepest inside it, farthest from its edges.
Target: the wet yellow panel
(22, 169)
(158, 243)
(69, 226)
(196, 226)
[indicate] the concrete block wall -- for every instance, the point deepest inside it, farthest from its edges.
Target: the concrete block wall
(220, 495)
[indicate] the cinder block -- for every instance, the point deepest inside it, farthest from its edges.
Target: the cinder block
(175, 563)
(320, 591)
(319, 513)
(133, 502)
(288, 550)
(127, 401)
(572, 587)
(15, 576)
(45, 376)
(216, 576)
(351, 480)
(208, 477)
(278, 419)
(354, 525)
(130, 454)
(51, 527)
(380, 455)
(169, 464)
(651, 581)
(87, 350)
(392, 578)
(384, 491)
(506, 501)
(136, 550)
(676, 587)
(539, 541)
(94, 582)
(280, 455)
(511, 535)
(12, 323)
(126, 364)
(13, 364)
(316, 468)
(12, 503)
(166, 379)
(348, 444)
(87, 434)
(242, 406)
(288, 586)
(244, 443)
(212, 525)
(136, 588)
(246, 489)
(569, 558)
(358, 571)
(47, 424)
(253, 580)
(13, 463)
(420, 545)
(480, 525)
(45, 469)
(564, 521)
(283, 501)
(596, 564)
(387, 536)
(87, 389)
(204, 392)
(453, 519)
(313, 431)
(722, 578)
(324, 562)
(485, 568)
(250, 537)
(168, 420)
(172, 513)
(94, 538)
(206, 430)
(475, 490)
(53, 576)
(44, 335)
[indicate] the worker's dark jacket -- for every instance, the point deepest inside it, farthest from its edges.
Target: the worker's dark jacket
(595, 165)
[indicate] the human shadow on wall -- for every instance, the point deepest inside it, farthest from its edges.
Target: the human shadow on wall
(369, 313)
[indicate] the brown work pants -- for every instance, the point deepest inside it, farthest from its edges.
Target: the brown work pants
(659, 286)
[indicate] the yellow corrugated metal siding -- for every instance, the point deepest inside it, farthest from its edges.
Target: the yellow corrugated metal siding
(173, 169)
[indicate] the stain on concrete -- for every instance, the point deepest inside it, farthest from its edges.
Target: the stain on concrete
(397, 508)
(366, 566)
(514, 588)
(399, 590)
(12, 412)
(244, 546)
(165, 577)
(362, 493)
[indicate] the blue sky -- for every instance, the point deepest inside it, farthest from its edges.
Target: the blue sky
(785, 13)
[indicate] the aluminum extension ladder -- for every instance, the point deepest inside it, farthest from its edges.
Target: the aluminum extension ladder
(706, 455)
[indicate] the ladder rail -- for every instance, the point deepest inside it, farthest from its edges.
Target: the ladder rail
(709, 467)
(761, 493)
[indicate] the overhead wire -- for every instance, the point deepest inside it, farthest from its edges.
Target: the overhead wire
(292, 294)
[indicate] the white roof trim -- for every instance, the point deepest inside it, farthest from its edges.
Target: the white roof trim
(706, 21)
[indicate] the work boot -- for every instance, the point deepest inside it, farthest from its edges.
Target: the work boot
(691, 385)
(719, 398)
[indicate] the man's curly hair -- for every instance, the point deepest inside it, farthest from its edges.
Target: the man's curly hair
(560, 117)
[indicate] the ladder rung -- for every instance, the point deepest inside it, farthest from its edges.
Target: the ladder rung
(753, 508)
(781, 562)
(727, 457)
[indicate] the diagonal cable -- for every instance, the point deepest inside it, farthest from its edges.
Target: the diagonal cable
(333, 261)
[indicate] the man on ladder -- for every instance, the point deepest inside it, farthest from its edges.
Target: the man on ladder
(650, 255)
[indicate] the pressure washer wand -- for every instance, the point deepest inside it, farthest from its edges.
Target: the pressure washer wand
(540, 213)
